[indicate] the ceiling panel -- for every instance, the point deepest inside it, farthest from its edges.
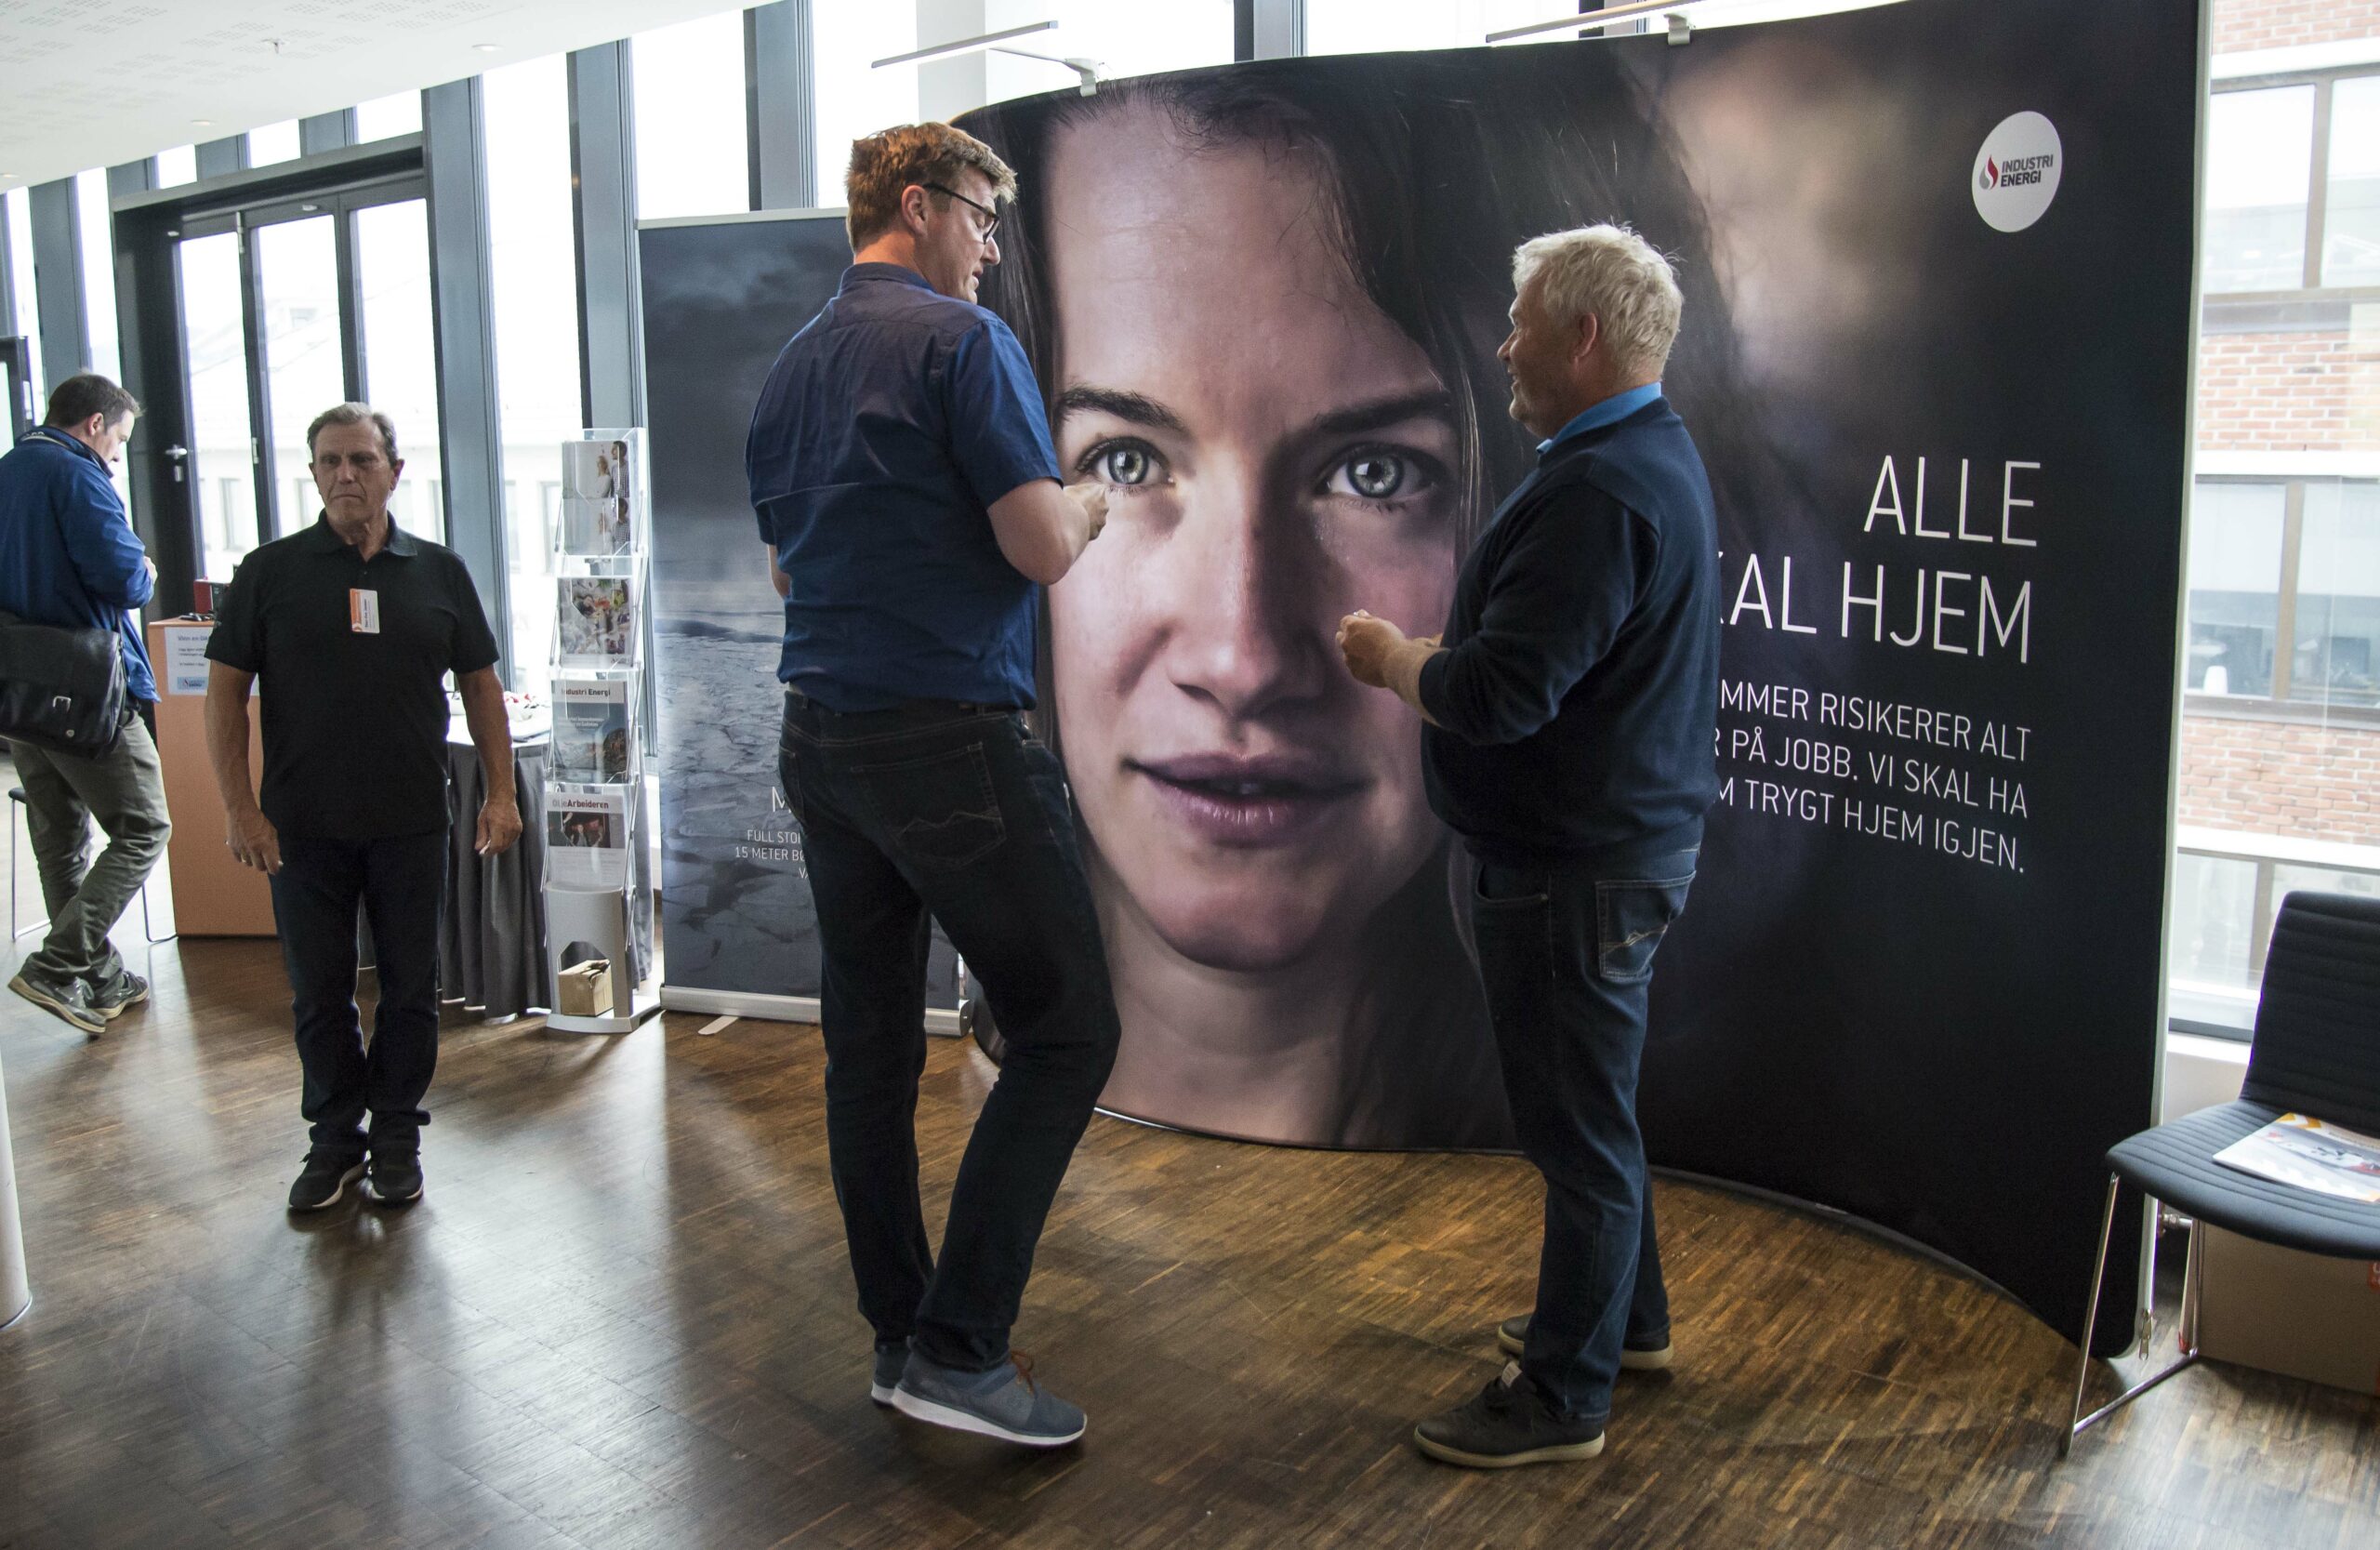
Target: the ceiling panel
(98, 82)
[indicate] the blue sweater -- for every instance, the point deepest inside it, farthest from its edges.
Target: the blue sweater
(1578, 698)
(68, 554)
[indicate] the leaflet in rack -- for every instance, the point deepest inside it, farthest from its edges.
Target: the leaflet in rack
(588, 840)
(594, 731)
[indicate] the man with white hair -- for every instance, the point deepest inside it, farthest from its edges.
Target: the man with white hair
(1572, 715)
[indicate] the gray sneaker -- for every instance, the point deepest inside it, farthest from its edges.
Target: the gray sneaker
(69, 1000)
(887, 1376)
(1512, 1335)
(110, 997)
(1004, 1402)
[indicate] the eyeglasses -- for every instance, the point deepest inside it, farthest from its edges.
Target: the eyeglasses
(989, 224)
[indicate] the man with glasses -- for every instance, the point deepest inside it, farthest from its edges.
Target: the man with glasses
(902, 471)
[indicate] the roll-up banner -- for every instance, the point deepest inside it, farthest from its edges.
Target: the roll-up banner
(739, 934)
(1937, 266)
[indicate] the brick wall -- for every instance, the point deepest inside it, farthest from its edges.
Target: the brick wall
(2240, 24)
(2271, 777)
(2287, 393)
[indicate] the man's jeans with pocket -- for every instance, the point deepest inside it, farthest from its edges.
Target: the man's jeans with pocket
(954, 811)
(1565, 951)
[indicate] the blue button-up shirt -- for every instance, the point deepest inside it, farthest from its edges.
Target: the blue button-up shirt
(887, 429)
(1612, 411)
(68, 554)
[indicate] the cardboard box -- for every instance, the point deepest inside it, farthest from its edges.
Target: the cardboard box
(2296, 1314)
(585, 989)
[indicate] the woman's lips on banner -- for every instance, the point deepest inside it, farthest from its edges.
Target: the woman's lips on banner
(1250, 801)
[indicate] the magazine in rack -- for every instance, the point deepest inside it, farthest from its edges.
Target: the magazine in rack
(588, 840)
(594, 737)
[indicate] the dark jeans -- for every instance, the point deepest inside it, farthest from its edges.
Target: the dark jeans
(954, 811)
(123, 790)
(1566, 952)
(401, 884)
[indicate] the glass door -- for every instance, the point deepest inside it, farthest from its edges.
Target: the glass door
(400, 364)
(222, 460)
(305, 370)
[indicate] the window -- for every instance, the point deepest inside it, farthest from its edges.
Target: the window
(20, 271)
(305, 373)
(533, 278)
(693, 154)
(2321, 536)
(2352, 211)
(178, 166)
(2259, 156)
(853, 101)
(2336, 650)
(99, 271)
(400, 353)
(1378, 26)
(275, 142)
(98, 291)
(2234, 588)
(385, 117)
(1125, 40)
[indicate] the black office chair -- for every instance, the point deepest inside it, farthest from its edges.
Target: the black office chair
(2315, 1052)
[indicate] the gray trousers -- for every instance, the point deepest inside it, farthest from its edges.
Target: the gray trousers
(124, 789)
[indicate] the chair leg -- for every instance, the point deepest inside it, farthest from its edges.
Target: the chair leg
(147, 929)
(2078, 1423)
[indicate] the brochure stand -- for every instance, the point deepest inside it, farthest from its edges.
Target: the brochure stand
(598, 899)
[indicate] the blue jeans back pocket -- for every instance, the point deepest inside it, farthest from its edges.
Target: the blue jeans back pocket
(938, 812)
(1630, 918)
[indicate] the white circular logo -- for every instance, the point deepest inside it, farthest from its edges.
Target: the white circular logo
(2016, 172)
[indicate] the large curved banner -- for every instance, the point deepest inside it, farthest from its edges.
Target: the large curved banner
(1937, 260)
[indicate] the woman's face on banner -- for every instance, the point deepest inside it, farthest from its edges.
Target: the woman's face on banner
(1277, 453)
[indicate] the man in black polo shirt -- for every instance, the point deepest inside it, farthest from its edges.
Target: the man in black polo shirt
(350, 626)
(1572, 715)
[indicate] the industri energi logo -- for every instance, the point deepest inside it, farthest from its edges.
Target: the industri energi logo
(2016, 172)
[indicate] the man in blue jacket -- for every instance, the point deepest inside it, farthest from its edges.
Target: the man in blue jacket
(68, 557)
(1571, 716)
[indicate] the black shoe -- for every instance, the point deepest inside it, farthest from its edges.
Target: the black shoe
(1634, 1356)
(395, 1178)
(69, 1000)
(110, 997)
(1508, 1423)
(323, 1181)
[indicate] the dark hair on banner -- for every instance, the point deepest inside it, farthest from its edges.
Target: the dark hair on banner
(884, 164)
(1444, 164)
(355, 414)
(88, 393)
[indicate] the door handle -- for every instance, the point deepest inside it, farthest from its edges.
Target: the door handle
(177, 455)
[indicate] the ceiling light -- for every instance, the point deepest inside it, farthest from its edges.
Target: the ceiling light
(485, 47)
(203, 123)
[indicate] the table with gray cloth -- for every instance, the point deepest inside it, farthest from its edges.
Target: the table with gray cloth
(493, 950)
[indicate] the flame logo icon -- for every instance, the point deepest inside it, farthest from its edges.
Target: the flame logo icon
(1990, 178)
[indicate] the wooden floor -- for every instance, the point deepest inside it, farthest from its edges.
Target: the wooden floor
(621, 1319)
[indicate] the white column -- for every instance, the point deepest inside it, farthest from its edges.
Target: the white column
(15, 1288)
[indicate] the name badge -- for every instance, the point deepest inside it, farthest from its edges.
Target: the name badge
(362, 611)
